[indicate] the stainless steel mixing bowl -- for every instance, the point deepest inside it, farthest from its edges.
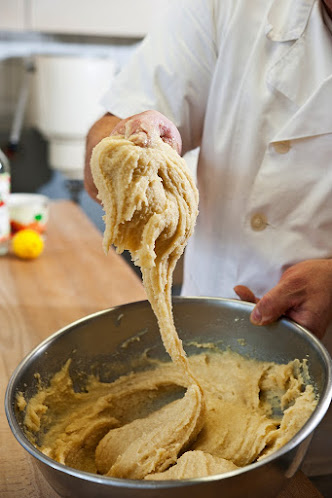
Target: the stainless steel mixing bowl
(99, 344)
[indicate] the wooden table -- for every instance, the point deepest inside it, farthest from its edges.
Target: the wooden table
(71, 279)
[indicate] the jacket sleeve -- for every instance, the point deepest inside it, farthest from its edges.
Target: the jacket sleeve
(171, 70)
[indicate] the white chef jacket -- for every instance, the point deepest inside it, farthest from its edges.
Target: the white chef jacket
(250, 83)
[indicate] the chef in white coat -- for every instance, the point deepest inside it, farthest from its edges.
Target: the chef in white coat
(250, 84)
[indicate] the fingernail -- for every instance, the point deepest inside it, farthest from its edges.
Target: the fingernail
(256, 316)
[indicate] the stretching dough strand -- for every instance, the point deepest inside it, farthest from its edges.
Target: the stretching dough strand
(151, 206)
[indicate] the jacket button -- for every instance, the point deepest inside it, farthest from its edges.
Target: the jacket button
(282, 147)
(258, 222)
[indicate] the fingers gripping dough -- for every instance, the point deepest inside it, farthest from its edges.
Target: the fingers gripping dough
(149, 196)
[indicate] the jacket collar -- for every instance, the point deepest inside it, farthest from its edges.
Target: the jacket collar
(287, 19)
(313, 118)
(303, 71)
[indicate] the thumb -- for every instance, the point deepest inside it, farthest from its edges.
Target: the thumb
(271, 306)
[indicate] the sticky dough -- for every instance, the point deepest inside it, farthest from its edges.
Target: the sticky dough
(151, 206)
(119, 429)
(229, 412)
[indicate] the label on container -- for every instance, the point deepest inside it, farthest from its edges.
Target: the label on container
(4, 210)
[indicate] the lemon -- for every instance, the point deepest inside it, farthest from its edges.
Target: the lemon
(27, 244)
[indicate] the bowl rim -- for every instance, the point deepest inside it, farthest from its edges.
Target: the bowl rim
(304, 433)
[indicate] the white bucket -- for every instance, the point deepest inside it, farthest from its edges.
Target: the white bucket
(67, 93)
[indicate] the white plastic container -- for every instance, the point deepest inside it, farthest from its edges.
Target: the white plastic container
(28, 211)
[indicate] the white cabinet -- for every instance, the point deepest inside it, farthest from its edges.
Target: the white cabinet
(13, 14)
(126, 18)
(119, 18)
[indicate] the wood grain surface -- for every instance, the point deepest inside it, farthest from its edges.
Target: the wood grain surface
(71, 279)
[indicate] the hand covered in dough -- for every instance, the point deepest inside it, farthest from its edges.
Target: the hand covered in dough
(149, 126)
(304, 294)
